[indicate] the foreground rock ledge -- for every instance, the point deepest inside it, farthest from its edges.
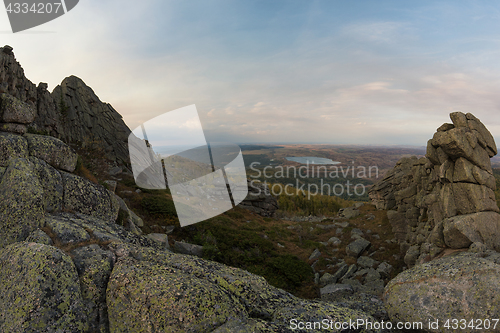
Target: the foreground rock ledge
(462, 286)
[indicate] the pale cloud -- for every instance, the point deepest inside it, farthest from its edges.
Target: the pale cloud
(380, 32)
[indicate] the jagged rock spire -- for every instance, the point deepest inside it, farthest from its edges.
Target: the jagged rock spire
(445, 200)
(72, 112)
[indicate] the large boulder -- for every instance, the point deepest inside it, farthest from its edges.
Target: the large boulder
(12, 146)
(144, 296)
(83, 196)
(39, 290)
(22, 205)
(460, 286)
(12, 110)
(162, 291)
(53, 151)
(463, 230)
(454, 142)
(52, 185)
(356, 248)
(471, 198)
(484, 137)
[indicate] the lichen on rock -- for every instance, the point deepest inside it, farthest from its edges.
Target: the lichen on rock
(21, 207)
(39, 290)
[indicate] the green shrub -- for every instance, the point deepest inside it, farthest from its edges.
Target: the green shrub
(158, 206)
(63, 108)
(290, 272)
(129, 182)
(234, 214)
(122, 216)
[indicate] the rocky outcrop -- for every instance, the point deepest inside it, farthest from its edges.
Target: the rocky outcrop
(15, 115)
(446, 199)
(260, 199)
(463, 286)
(89, 121)
(72, 112)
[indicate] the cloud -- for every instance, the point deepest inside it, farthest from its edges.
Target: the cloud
(379, 32)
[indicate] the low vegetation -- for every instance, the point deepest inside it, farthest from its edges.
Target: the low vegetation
(304, 203)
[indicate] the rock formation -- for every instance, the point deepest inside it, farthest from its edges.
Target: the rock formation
(446, 199)
(72, 112)
(443, 210)
(260, 200)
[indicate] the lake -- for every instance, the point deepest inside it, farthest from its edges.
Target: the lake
(311, 160)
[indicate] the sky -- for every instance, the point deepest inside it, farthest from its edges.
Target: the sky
(326, 71)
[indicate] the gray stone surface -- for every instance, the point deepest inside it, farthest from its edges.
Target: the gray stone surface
(94, 266)
(65, 232)
(83, 196)
(39, 290)
(186, 248)
(366, 262)
(356, 248)
(88, 120)
(315, 255)
(327, 278)
(334, 292)
(460, 286)
(349, 212)
(39, 236)
(12, 110)
(385, 269)
(162, 239)
(334, 241)
(349, 273)
(12, 146)
(52, 187)
(463, 230)
(53, 151)
(340, 271)
(21, 207)
(260, 200)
